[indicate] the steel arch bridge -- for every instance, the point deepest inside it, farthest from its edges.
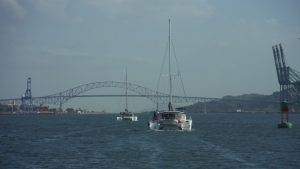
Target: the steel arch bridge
(64, 96)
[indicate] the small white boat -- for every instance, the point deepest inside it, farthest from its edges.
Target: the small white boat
(170, 120)
(126, 115)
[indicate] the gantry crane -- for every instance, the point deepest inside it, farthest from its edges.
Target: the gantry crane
(289, 81)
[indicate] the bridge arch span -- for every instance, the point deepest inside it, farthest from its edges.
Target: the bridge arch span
(159, 98)
(64, 96)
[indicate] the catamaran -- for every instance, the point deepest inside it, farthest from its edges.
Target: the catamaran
(171, 119)
(127, 115)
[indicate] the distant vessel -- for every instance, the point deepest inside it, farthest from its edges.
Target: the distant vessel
(126, 115)
(171, 119)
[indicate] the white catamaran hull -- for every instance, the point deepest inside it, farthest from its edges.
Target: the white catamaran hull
(131, 118)
(163, 125)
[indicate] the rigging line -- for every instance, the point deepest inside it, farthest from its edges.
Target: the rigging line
(162, 67)
(161, 70)
(179, 72)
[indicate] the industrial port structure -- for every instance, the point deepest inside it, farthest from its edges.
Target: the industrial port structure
(289, 82)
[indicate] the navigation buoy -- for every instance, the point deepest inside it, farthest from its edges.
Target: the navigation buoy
(285, 116)
(285, 125)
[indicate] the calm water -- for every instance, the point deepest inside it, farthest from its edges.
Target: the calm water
(99, 141)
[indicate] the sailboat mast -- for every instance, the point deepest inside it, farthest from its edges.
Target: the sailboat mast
(170, 76)
(126, 108)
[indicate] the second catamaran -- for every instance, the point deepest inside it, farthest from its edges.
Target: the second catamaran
(127, 115)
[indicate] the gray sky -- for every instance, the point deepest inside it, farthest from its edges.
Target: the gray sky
(223, 47)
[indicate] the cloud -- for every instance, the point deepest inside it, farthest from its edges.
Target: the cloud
(272, 21)
(223, 44)
(242, 21)
(66, 52)
(11, 13)
(54, 9)
(200, 8)
(11, 10)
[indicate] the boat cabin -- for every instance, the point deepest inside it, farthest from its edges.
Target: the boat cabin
(169, 115)
(126, 113)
